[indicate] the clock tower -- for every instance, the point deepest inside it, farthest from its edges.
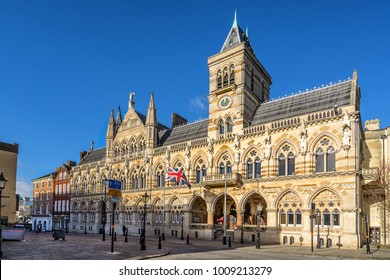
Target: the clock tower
(238, 85)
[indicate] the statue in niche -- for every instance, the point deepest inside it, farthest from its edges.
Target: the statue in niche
(267, 141)
(210, 150)
(167, 158)
(188, 156)
(303, 141)
(236, 149)
(346, 138)
(346, 121)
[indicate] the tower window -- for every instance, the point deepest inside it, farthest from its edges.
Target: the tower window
(232, 75)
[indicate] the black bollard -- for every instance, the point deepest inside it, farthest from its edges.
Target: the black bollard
(159, 242)
(188, 239)
(230, 242)
(163, 236)
(126, 235)
(114, 236)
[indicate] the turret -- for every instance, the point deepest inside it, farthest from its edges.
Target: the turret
(110, 135)
(151, 124)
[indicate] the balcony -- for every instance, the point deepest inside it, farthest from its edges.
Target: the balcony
(218, 180)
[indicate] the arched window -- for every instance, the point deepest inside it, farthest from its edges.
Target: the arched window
(336, 218)
(221, 126)
(222, 168)
(325, 162)
(253, 166)
(290, 217)
(257, 168)
(298, 217)
(326, 217)
(133, 148)
(85, 185)
(219, 79)
(330, 159)
(232, 75)
(319, 160)
(126, 150)
(200, 173)
(229, 125)
(291, 164)
(229, 167)
(134, 181)
(123, 184)
(249, 169)
(282, 165)
(225, 77)
(282, 217)
(93, 186)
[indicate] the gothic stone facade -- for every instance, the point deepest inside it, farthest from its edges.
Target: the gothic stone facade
(285, 154)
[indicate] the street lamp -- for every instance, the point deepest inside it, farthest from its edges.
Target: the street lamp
(318, 229)
(104, 220)
(384, 137)
(104, 211)
(259, 209)
(225, 158)
(85, 223)
(3, 181)
(143, 233)
(242, 227)
(182, 225)
(367, 239)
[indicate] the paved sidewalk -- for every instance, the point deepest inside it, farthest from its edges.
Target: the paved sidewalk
(91, 247)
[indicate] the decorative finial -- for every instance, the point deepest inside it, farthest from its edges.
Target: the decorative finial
(235, 18)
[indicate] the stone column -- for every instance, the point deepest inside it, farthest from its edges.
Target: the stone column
(210, 218)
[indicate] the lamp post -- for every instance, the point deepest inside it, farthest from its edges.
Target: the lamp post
(259, 209)
(318, 229)
(367, 239)
(242, 227)
(384, 137)
(104, 220)
(225, 158)
(85, 223)
(104, 211)
(182, 226)
(3, 181)
(143, 232)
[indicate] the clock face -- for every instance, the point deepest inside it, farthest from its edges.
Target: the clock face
(225, 102)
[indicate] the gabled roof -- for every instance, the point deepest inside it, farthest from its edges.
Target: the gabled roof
(304, 103)
(235, 36)
(94, 156)
(183, 133)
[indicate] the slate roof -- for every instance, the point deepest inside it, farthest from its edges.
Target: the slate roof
(45, 176)
(94, 156)
(304, 103)
(143, 120)
(235, 37)
(183, 133)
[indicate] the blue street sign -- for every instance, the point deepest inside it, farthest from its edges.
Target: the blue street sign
(114, 187)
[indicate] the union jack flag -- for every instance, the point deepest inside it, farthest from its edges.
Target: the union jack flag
(177, 175)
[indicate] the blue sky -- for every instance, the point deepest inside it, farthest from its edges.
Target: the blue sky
(65, 64)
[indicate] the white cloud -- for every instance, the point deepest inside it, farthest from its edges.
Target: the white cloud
(24, 188)
(198, 103)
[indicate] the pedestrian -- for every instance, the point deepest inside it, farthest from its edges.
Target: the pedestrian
(124, 230)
